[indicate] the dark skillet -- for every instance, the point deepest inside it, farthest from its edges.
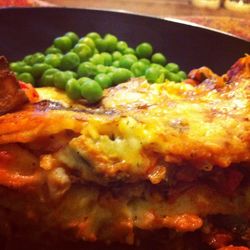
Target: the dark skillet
(23, 31)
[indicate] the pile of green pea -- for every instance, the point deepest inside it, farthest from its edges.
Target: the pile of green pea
(83, 67)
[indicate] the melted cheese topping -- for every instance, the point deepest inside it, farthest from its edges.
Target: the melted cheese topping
(140, 129)
(54, 94)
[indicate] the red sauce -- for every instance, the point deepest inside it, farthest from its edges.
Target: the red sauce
(219, 239)
(230, 182)
(234, 248)
(5, 157)
(30, 91)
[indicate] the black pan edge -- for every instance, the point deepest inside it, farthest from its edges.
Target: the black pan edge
(26, 30)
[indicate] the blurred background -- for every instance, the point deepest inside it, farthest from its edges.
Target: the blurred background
(231, 16)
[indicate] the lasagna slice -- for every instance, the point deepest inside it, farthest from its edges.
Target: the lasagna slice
(150, 161)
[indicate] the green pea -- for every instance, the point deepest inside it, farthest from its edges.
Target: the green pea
(133, 56)
(111, 42)
(52, 50)
(47, 78)
(39, 68)
(38, 58)
(26, 77)
(53, 59)
(154, 75)
(28, 59)
(104, 58)
(94, 35)
(97, 59)
(91, 91)
(121, 46)
(139, 68)
(116, 55)
(88, 41)
(172, 67)
(159, 58)
(162, 69)
(158, 66)
(17, 66)
(144, 50)
(35, 58)
(127, 61)
(61, 78)
(70, 61)
(167, 74)
(110, 74)
(116, 63)
(96, 51)
(73, 89)
(63, 43)
(101, 69)
(145, 61)
(107, 58)
(129, 51)
(50, 71)
(87, 69)
(174, 77)
(83, 51)
(120, 75)
(26, 68)
(73, 73)
(182, 74)
(82, 80)
(101, 44)
(73, 37)
(104, 80)
(111, 69)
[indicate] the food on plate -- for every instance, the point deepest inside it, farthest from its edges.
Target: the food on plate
(9, 87)
(167, 159)
(238, 5)
(93, 63)
(210, 4)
